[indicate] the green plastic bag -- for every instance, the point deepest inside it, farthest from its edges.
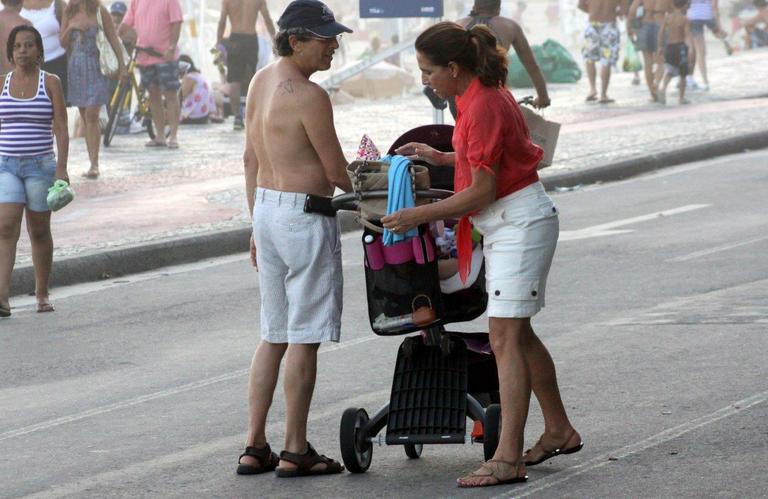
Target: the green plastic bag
(556, 64)
(60, 194)
(632, 61)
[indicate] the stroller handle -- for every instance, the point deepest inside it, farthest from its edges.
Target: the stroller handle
(350, 201)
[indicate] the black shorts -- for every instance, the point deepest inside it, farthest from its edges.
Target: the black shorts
(676, 59)
(242, 57)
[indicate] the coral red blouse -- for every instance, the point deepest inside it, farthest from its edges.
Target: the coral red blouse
(490, 131)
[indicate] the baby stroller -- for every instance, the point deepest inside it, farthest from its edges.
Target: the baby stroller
(440, 377)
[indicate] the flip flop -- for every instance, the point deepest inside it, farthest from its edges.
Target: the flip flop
(305, 462)
(266, 458)
(45, 307)
(91, 174)
(172, 144)
(5, 311)
(606, 101)
(591, 98)
(504, 472)
(154, 143)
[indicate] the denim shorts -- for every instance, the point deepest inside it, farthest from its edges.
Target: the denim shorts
(26, 180)
(697, 26)
(164, 75)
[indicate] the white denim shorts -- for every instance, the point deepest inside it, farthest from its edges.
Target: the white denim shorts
(519, 238)
(300, 276)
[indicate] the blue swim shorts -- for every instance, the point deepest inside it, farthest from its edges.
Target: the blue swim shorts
(26, 180)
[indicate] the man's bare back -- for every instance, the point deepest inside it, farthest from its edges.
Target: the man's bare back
(603, 11)
(290, 127)
(505, 29)
(676, 27)
(243, 15)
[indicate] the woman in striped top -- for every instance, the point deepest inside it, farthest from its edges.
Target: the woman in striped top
(32, 112)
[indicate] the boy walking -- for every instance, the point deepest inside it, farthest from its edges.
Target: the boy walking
(677, 30)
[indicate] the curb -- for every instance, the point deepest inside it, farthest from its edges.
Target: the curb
(99, 265)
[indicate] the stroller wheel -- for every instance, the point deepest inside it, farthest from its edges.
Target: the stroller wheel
(356, 451)
(413, 451)
(491, 430)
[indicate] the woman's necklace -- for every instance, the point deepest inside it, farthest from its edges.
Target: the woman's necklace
(22, 84)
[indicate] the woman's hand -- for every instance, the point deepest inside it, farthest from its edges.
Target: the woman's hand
(418, 151)
(402, 221)
(61, 173)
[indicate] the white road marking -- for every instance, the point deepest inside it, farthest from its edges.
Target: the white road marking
(716, 249)
(608, 229)
(645, 444)
(224, 444)
(25, 430)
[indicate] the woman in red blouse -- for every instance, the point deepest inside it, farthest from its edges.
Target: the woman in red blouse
(497, 186)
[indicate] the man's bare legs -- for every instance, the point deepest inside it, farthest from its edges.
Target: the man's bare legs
(265, 369)
(234, 98)
(649, 59)
(10, 228)
(39, 229)
(524, 365)
(158, 113)
(592, 77)
(172, 115)
(605, 79)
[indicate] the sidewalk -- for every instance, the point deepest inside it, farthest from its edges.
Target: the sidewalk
(147, 197)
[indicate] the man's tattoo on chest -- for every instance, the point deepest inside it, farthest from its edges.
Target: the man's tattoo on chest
(285, 87)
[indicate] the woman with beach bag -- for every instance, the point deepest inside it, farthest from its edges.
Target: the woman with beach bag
(94, 55)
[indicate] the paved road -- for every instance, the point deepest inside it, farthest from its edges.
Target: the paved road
(657, 312)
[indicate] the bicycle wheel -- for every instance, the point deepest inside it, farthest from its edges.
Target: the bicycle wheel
(114, 112)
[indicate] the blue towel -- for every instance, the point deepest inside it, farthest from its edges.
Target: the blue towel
(400, 195)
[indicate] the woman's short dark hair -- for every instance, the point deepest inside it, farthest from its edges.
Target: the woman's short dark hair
(283, 40)
(474, 49)
(188, 60)
(12, 40)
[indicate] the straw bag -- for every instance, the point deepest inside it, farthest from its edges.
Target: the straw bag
(374, 176)
(108, 63)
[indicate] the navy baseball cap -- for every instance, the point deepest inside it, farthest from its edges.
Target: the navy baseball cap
(118, 8)
(313, 16)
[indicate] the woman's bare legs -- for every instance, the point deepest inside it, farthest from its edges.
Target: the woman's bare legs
(90, 116)
(39, 229)
(10, 228)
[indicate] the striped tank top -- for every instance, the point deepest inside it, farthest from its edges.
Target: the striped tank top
(26, 125)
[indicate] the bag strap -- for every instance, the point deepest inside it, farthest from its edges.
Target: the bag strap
(369, 225)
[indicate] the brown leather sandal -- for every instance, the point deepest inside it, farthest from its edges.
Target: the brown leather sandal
(503, 472)
(267, 461)
(305, 462)
(549, 454)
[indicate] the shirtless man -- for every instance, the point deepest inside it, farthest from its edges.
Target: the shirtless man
(9, 19)
(509, 34)
(601, 43)
(675, 29)
(242, 47)
(292, 151)
(646, 36)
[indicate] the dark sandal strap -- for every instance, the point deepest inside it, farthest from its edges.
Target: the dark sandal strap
(305, 462)
(263, 455)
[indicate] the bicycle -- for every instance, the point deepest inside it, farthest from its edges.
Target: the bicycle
(122, 97)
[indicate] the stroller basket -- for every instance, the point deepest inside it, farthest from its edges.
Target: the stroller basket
(429, 396)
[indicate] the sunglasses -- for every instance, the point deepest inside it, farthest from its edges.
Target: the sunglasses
(336, 38)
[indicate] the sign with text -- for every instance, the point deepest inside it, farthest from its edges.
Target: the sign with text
(401, 8)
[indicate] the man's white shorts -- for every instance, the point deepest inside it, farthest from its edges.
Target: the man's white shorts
(299, 259)
(519, 238)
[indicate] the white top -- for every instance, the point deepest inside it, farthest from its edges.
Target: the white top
(44, 21)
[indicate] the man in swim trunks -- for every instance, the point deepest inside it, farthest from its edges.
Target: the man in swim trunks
(292, 154)
(601, 43)
(242, 46)
(646, 37)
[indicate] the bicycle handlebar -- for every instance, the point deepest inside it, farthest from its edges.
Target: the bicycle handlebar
(351, 200)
